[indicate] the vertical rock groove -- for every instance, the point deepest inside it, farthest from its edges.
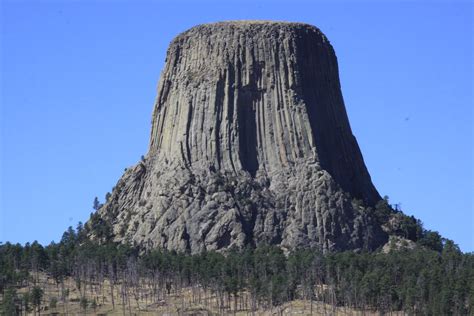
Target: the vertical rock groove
(250, 143)
(247, 128)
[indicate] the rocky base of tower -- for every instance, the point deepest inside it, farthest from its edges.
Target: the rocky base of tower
(176, 208)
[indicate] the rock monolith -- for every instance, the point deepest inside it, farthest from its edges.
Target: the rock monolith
(250, 144)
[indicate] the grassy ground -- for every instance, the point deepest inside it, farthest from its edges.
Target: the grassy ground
(177, 303)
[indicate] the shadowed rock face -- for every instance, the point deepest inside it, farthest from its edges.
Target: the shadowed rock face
(250, 143)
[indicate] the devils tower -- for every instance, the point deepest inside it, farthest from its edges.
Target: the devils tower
(250, 144)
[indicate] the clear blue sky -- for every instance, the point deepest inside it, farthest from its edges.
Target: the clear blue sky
(79, 81)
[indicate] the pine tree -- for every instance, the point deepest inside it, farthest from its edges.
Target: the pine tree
(36, 297)
(8, 306)
(96, 205)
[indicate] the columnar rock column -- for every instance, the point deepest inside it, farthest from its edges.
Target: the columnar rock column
(250, 143)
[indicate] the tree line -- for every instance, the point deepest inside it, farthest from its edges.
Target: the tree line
(419, 281)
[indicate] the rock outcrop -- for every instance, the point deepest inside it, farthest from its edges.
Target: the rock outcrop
(250, 144)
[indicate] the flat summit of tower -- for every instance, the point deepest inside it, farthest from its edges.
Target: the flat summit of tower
(248, 25)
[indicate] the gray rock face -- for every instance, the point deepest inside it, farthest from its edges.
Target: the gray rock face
(250, 144)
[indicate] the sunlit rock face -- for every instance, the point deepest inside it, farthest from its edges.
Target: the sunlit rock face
(250, 144)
